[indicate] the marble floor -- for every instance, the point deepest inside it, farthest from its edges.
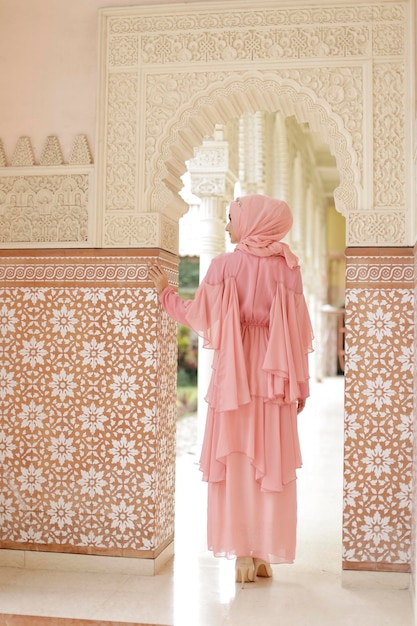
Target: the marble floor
(195, 589)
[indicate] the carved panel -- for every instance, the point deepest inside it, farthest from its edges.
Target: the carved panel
(372, 228)
(389, 134)
(45, 210)
(50, 204)
(129, 230)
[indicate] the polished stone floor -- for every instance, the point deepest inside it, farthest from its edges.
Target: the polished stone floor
(195, 589)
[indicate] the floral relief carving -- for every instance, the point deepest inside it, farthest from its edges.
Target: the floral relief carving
(373, 228)
(123, 50)
(44, 209)
(81, 432)
(131, 230)
(388, 39)
(389, 134)
(255, 44)
(121, 142)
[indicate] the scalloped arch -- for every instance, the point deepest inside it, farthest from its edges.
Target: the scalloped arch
(254, 92)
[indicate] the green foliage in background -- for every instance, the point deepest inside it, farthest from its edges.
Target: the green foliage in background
(189, 269)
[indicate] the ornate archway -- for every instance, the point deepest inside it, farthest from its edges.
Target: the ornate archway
(169, 74)
(255, 91)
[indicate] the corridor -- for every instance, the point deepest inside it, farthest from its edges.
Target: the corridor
(196, 589)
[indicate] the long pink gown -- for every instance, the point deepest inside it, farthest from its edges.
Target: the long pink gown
(251, 311)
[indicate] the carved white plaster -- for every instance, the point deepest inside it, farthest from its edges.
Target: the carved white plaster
(121, 133)
(133, 230)
(52, 153)
(80, 152)
(310, 62)
(389, 134)
(50, 204)
(41, 209)
(376, 228)
(23, 154)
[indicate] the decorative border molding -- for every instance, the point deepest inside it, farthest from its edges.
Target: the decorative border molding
(390, 270)
(90, 269)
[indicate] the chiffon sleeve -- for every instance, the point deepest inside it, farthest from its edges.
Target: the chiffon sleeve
(214, 315)
(289, 343)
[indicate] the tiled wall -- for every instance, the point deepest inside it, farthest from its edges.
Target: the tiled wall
(377, 523)
(87, 404)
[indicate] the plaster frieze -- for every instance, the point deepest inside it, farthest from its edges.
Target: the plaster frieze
(156, 19)
(24, 154)
(43, 209)
(49, 204)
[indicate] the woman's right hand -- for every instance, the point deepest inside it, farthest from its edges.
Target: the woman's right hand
(300, 405)
(158, 276)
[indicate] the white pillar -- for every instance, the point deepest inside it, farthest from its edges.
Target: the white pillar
(213, 183)
(212, 243)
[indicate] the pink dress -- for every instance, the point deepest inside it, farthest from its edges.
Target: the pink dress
(251, 311)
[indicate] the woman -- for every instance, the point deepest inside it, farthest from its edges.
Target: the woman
(251, 311)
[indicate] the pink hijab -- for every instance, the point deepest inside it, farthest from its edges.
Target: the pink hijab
(260, 223)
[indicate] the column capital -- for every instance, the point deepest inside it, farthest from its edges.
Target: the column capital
(210, 174)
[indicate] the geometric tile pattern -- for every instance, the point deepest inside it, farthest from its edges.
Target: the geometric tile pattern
(379, 375)
(87, 404)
